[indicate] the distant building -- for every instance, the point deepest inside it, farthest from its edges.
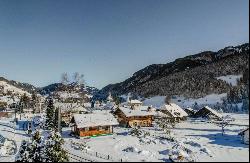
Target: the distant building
(93, 124)
(190, 111)
(245, 136)
(174, 112)
(134, 103)
(209, 113)
(131, 116)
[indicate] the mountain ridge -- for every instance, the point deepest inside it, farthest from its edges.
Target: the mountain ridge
(146, 76)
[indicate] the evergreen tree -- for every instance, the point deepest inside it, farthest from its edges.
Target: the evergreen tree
(50, 110)
(34, 101)
(54, 150)
(33, 151)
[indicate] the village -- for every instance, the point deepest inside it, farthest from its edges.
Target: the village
(129, 131)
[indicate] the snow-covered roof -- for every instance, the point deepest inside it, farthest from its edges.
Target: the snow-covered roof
(244, 131)
(174, 110)
(190, 109)
(140, 111)
(213, 112)
(135, 102)
(95, 119)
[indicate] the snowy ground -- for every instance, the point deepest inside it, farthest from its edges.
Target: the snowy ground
(7, 131)
(203, 139)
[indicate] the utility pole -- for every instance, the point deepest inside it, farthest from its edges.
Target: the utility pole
(59, 120)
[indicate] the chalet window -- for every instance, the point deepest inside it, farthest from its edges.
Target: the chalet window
(100, 128)
(86, 129)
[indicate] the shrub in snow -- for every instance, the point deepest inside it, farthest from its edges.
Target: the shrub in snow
(165, 124)
(131, 149)
(192, 143)
(205, 150)
(136, 132)
(179, 153)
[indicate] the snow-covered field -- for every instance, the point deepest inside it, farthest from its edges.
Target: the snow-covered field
(197, 140)
(203, 140)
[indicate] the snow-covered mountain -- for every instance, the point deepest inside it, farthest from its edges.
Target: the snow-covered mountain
(72, 91)
(194, 76)
(15, 88)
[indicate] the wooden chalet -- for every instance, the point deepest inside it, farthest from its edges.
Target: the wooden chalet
(174, 112)
(129, 116)
(93, 124)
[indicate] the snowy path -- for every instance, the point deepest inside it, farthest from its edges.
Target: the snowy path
(9, 131)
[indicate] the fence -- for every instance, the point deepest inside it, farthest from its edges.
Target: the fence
(102, 156)
(96, 154)
(77, 158)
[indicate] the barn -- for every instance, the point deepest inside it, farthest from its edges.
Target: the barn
(207, 112)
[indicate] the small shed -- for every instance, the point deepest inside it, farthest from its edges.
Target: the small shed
(245, 136)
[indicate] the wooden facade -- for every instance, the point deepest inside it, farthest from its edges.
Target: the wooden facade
(133, 121)
(92, 131)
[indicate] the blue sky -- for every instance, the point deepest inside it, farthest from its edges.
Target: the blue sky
(109, 40)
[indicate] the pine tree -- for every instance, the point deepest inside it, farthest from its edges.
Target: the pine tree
(33, 151)
(54, 150)
(50, 111)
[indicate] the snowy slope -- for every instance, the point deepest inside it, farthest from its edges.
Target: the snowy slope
(158, 101)
(7, 87)
(230, 79)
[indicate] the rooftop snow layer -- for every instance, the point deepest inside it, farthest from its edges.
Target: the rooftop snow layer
(94, 120)
(213, 111)
(139, 111)
(174, 110)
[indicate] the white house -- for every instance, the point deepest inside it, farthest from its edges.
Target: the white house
(245, 135)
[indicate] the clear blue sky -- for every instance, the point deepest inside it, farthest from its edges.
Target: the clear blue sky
(109, 40)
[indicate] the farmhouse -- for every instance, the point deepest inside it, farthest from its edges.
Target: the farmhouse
(134, 103)
(245, 136)
(93, 124)
(174, 112)
(207, 112)
(129, 116)
(190, 111)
